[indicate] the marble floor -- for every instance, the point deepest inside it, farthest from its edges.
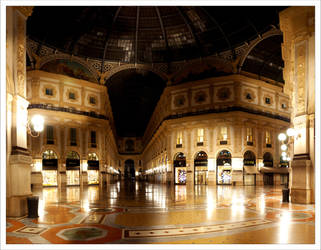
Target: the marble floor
(144, 213)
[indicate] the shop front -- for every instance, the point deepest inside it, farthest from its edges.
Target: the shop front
(180, 169)
(200, 169)
(73, 169)
(224, 168)
(93, 169)
(268, 176)
(49, 168)
(249, 169)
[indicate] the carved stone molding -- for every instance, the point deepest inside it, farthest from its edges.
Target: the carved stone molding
(21, 57)
(25, 10)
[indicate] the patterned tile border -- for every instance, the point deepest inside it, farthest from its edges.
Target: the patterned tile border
(128, 234)
(31, 230)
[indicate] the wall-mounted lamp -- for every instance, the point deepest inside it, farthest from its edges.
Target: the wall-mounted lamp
(35, 126)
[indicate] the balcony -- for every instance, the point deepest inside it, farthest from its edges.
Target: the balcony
(179, 145)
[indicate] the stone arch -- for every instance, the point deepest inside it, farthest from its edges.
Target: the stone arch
(73, 150)
(94, 152)
(108, 74)
(221, 149)
(201, 150)
(53, 148)
(254, 150)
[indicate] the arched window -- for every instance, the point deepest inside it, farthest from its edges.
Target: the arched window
(224, 157)
(72, 155)
(268, 159)
(92, 157)
(49, 154)
(249, 158)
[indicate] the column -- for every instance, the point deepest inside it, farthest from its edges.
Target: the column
(18, 172)
(297, 25)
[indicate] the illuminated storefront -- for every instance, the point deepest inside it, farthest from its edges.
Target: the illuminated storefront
(49, 168)
(224, 167)
(73, 168)
(200, 168)
(180, 169)
(93, 169)
(249, 168)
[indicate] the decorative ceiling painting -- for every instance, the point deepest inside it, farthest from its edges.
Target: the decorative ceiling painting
(69, 68)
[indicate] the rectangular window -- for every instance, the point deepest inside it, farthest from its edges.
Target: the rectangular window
(73, 140)
(267, 100)
(268, 139)
(92, 100)
(249, 134)
(223, 133)
(72, 96)
(93, 138)
(49, 91)
(50, 135)
(200, 135)
(179, 139)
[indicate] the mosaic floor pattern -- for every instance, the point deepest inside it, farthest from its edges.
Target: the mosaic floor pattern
(142, 213)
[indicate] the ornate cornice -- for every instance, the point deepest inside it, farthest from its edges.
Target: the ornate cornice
(25, 10)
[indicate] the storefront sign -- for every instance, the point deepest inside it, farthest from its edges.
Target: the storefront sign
(249, 162)
(73, 163)
(179, 163)
(268, 163)
(200, 163)
(93, 165)
(49, 164)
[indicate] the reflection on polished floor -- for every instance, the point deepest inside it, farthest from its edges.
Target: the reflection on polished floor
(140, 212)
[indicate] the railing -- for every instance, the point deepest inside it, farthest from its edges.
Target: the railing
(68, 110)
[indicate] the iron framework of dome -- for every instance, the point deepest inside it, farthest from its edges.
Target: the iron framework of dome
(149, 34)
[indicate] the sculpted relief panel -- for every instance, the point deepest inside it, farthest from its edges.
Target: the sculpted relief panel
(300, 77)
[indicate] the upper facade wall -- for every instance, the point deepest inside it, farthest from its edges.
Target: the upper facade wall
(235, 92)
(67, 92)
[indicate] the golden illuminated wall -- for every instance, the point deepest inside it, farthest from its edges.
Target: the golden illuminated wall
(235, 102)
(298, 52)
(68, 103)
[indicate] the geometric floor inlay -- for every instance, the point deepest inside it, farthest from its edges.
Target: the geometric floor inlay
(190, 230)
(31, 230)
(93, 219)
(82, 233)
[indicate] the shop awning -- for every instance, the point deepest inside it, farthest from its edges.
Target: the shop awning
(251, 170)
(274, 170)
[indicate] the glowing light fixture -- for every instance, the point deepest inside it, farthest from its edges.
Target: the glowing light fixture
(36, 125)
(290, 132)
(283, 147)
(37, 122)
(282, 137)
